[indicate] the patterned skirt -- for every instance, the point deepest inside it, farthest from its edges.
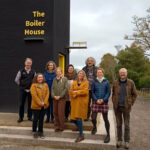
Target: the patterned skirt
(103, 108)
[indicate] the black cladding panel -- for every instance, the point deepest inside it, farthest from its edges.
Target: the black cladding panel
(15, 46)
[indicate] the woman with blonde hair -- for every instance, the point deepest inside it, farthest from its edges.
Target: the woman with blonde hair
(59, 92)
(100, 94)
(79, 93)
(40, 94)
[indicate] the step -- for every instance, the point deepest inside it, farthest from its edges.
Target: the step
(23, 134)
(48, 132)
(10, 119)
(57, 141)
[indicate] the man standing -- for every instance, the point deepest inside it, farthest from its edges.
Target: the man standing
(24, 80)
(90, 70)
(123, 97)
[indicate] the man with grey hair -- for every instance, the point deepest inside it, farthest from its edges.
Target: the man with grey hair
(90, 70)
(123, 97)
(24, 80)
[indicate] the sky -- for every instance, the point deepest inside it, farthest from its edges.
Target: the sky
(103, 25)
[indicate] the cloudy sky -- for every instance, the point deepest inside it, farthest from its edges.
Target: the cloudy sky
(103, 24)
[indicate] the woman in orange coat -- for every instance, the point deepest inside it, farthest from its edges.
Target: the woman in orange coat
(40, 96)
(79, 93)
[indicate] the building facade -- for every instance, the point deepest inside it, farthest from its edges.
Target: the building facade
(38, 29)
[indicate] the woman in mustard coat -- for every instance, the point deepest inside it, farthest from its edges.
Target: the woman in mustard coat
(40, 95)
(79, 93)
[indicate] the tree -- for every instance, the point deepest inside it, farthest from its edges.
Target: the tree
(133, 59)
(108, 63)
(141, 34)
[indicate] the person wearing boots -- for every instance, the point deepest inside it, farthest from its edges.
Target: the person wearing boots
(24, 80)
(90, 70)
(79, 93)
(100, 94)
(40, 96)
(71, 76)
(123, 97)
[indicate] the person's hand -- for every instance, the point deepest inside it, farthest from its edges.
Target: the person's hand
(98, 101)
(42, 104)
(57, 97)
(101, 101)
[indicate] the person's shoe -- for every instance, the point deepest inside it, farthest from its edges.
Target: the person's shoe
(86, 119)
(79, 139)
(66, 119)
(126, 145)
(52, 121)
(30, 119)
(19, 120)
(41, 135)
(35, 135)
(61, 130)
(94, 130)
(107, 139)
(75, 129)
(47, 121)
(57, 130)
(119, 143)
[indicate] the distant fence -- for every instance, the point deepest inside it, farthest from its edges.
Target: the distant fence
(144, 92)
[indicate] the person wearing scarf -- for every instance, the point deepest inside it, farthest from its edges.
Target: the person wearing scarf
(40, 95)
(49, 76)
(70, 75)
(79, 93)
(59, 92)
(100, 94)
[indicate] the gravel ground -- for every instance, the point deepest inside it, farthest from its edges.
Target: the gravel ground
(139, 125)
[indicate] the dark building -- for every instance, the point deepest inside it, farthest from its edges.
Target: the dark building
(38, 29)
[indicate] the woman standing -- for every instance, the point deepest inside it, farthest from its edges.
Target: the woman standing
(49, 76)
(79, 93)
(70, 75)
(100, 94)
(40, 95)
(59, 92)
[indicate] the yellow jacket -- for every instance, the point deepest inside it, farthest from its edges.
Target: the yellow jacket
(79, 100)
(39, 92)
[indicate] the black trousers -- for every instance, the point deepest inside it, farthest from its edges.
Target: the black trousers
(49, 110)
(89, 104)
(38, 118)
(23, 95)
(122, 113)
(67, 109)
(105, 118)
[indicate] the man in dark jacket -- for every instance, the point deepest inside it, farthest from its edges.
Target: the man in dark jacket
(24, 80)
(90, 70)
(123, 97)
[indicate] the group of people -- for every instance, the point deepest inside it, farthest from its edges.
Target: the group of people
(69, 96)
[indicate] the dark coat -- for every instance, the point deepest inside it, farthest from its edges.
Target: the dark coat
(131, 93)
(101, 90)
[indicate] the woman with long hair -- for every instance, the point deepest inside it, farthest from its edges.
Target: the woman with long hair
(49, 76)
(40, 95)
(79, 93)
(70, 75)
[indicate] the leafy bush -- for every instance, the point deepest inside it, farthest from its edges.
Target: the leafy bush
(144, 82)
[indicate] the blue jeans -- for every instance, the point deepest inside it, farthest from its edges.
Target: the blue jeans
(78, 123)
